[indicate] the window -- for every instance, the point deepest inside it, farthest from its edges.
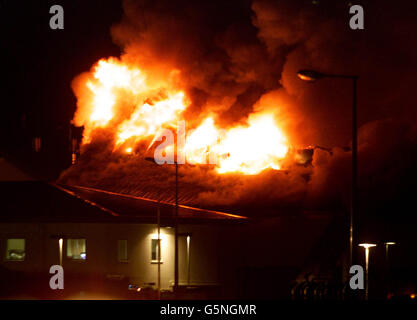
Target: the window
(122, 251)
(154, 250)
(15, 250)
(76, 249)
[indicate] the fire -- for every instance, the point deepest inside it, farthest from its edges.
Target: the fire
(148, 119)
(252, 149)
(119, 98)
(201, 143)
(110, 75)
(247, 149)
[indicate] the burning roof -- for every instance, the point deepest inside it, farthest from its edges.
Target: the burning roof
(223, 89)
(119, 100)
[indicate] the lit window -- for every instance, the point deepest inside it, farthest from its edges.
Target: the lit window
(122, 250)
(15, 249)
(154, 250)
(76, 249)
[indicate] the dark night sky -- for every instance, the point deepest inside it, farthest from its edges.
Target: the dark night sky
(38, 65)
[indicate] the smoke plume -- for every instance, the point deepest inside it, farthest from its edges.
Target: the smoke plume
(235, 58)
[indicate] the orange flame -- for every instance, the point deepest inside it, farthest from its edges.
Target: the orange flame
(117, 97)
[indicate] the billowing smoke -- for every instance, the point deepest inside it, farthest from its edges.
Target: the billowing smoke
(234, 58)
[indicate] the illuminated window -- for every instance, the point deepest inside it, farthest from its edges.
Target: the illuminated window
(122, 250)
(76, 249)
(154, 250)
(15, 249)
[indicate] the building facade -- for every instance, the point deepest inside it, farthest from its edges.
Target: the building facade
(51, 225)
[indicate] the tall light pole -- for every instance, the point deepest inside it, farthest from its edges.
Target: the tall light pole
(151, 159)
(367, 246)
(387, 266)
(387, 244)
(311, 76)
(159, 250)
(188, 259)
(176, 226)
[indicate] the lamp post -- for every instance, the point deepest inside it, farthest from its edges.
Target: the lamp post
(367, 246)
(387, 266)
(188, 260)
(159, 251)
(175, 224)
(387, 244)
(311, 76)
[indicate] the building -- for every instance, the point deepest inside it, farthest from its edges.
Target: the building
(43, 224)
(107, 241)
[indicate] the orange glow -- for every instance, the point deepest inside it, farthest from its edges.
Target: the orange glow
(305, 78)
(118, 98)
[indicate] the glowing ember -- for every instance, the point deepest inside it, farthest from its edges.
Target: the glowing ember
(117, 97)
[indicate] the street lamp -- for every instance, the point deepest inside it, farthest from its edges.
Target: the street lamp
(159, 250)
(387, 244)
(151, 159)
(311, 76)
(367, 246)
(387, 266)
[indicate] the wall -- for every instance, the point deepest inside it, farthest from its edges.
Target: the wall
(42, 251)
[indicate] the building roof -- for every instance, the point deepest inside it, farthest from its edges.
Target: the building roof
(132, 207)
(35, 201)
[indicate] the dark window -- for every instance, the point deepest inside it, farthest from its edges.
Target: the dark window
(122, 250)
